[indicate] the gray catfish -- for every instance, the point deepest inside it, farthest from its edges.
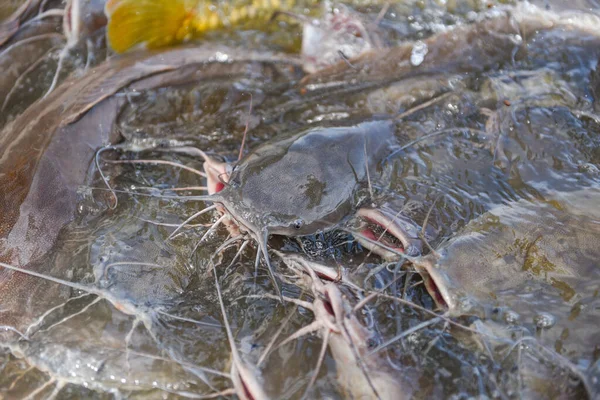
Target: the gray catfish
(533, 264)
(305, 183)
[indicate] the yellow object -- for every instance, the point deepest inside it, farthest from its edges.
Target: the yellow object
(158, 23)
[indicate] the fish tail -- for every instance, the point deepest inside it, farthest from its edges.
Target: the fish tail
(156, 23)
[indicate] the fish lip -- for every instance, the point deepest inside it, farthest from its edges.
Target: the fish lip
(435, 282)
(410, 245)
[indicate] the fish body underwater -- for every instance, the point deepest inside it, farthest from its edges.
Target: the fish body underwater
(529, 263)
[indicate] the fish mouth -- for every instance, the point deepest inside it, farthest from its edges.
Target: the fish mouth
(436, 282)
(434, 291)
(387, 235)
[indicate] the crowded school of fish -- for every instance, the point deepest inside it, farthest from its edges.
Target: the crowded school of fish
(308, 188)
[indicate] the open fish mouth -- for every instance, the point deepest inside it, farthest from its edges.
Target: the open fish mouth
(378, 233)
(386, 234)
(435, 291)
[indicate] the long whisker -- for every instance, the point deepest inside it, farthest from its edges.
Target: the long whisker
(238, 365)
(415, 306)
(208, 232)
(186, 319)
(190, 188)
(262, 243)
(271, 343)
(407, 332)
(123, 306)
(245, 131)
(238, 253)
(187, 150)
(422, 233)
(104, 179)
(359, 360)
(174, 189)
(15, 85)
(158, 223)
(163, 162)
(367, 168)
(320, 360)
(182, 363)
(184, 223)
(48, 13)
(61, 57)
(430, 135)
(559, 357)
(422, 106)
(73, 315)
(370, 297)
(52, 279)
(138, 263)
(213, 197)
(256, 263)
(13, 329)
(40, 389)
(312, 327)
(298, 302)
(30, 40)
(225, 245)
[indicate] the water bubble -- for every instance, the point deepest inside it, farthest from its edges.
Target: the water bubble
(589, 168)
(419, 51)
(511, 317)
(221, 57)
(544, 320)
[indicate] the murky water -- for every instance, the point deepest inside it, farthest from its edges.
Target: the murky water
(522, 129)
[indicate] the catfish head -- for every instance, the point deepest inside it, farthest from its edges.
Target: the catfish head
(310, 182)
(360, 373)
(496, 257)
(388, 231)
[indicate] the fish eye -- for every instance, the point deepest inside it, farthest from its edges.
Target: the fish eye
(298, 223)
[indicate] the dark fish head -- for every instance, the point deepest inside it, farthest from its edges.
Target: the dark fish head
(305, 183)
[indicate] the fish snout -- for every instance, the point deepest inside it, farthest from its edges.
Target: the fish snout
(389, 235)
(441, 286)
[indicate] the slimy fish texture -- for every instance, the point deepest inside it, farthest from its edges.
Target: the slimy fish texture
(160, 23)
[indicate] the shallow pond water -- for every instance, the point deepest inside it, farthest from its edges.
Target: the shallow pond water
(146, 323)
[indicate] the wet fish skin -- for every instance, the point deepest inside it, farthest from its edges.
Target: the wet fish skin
(516, 243)
(305, 183)
(529, 264)
(10, 25)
